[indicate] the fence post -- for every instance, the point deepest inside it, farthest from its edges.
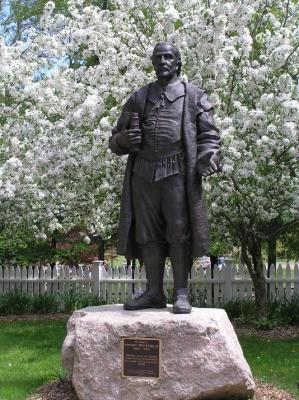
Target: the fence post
(98, 273)
(228, 265)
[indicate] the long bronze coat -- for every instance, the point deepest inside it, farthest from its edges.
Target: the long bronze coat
(200, 137)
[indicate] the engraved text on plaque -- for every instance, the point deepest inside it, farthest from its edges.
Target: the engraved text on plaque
(141, 357)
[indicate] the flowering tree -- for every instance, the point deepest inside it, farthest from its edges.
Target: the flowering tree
(57, 109)
(17, 16)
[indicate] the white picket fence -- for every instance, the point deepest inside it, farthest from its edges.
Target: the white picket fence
(117, 284)
(58, 279)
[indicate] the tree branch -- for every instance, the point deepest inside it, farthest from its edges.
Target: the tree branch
(290, 55)
(237, 188)
(232, 86)
(260, 18)
(281, 228)
(294, 12)
(286, 14)
(222, 213)
(245, 257)
(137, 35)
(19, 103)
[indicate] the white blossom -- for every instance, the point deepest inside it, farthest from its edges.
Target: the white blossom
(56, 170)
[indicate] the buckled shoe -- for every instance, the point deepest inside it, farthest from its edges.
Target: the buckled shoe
(181, 303)
(146, 300)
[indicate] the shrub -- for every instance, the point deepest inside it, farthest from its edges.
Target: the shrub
(280, 312)
(287, 311)
(15, 302)
(265, 324)
(74, 301)
(241, 311)
(44, 303)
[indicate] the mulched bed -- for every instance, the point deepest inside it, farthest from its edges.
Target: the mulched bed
(279, 332)
(63, 390)
(266, 391)
(33, 317)
(57, 390)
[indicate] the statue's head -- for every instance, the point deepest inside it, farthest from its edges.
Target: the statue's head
(166, 60)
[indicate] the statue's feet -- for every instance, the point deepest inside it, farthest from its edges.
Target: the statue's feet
(181, 303)
(146, 300)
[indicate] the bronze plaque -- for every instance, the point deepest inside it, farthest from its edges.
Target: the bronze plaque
(141, 357)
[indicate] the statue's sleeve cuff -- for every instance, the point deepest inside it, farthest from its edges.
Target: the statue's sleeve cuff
(115, 147)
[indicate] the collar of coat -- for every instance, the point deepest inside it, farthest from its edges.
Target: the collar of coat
(172, 91)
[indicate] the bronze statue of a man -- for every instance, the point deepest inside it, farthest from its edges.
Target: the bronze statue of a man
(162, 210)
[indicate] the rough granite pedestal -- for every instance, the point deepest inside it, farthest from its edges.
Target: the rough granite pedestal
(201, 355)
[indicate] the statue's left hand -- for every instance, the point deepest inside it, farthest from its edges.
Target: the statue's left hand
(208, 165)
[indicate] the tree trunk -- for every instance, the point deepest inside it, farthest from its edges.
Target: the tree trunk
(101, 249)
(252, 255)
(214, 261)
(271, 253)
(259, 283)
(53, 245)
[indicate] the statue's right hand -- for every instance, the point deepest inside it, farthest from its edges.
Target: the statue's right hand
(129, 138)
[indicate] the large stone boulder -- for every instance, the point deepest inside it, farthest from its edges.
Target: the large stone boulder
(201, 355)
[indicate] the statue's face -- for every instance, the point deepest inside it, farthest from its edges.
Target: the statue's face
(165, 62)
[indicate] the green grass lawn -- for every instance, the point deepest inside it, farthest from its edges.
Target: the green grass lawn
(274, 361)
(30, 356)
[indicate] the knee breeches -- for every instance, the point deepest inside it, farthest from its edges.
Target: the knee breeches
(160, 210)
